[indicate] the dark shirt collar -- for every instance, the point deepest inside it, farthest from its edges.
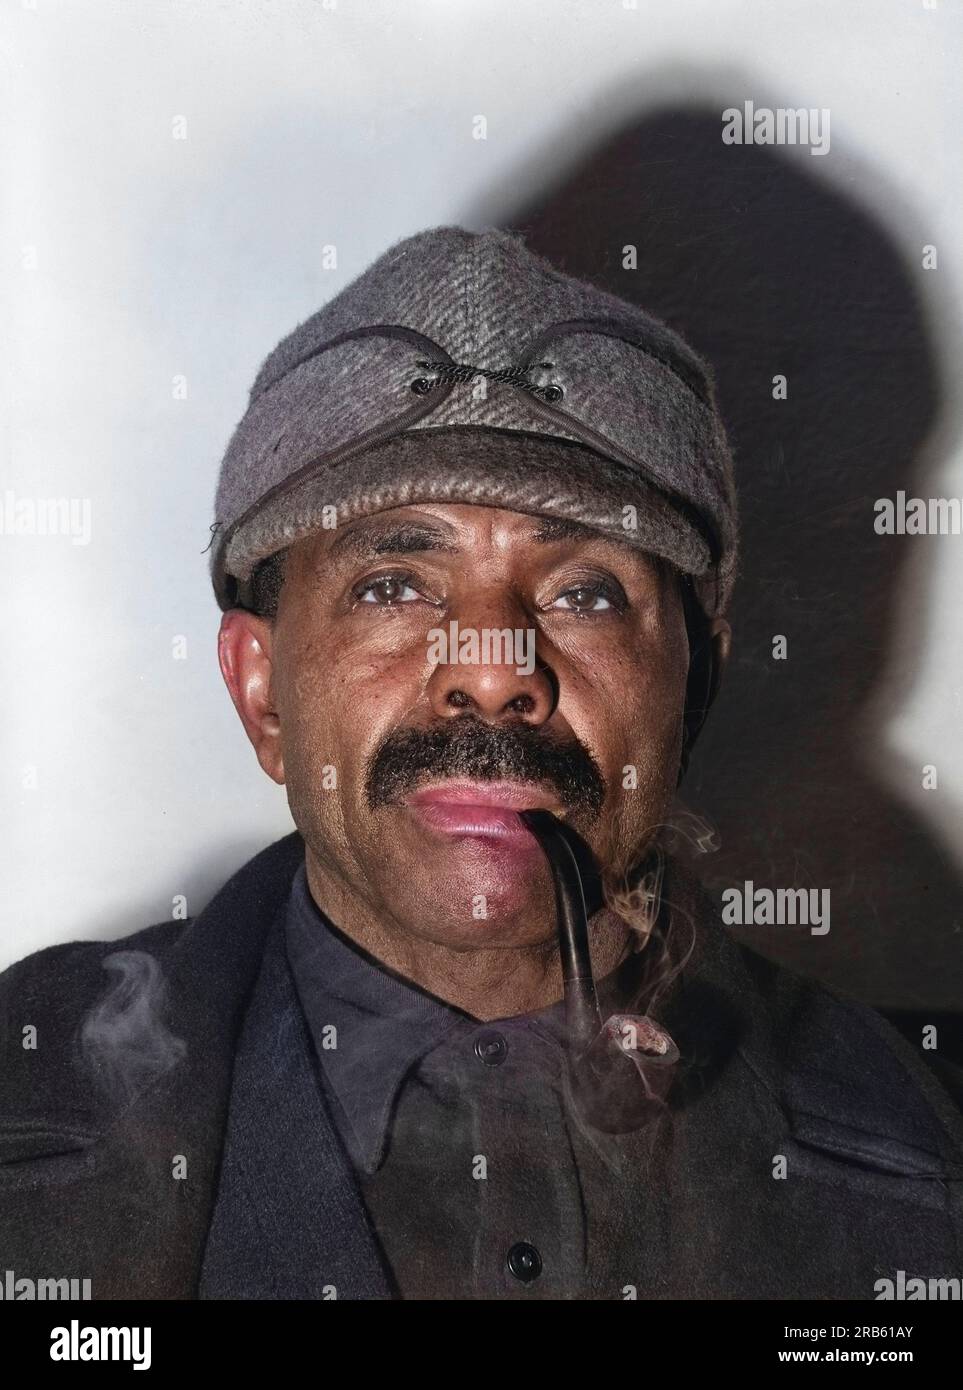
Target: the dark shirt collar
(370, 1026)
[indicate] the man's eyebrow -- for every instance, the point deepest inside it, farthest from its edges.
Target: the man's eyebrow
(559, 528)
(395, 538)
(562, 529)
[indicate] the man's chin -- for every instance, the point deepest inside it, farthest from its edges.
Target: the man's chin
(478, 883)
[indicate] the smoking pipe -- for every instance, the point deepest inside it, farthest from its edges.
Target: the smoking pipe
(621, 1070)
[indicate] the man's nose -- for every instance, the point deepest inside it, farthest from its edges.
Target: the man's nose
(492, 668)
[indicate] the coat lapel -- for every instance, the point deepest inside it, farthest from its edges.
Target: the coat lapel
(289, 1222)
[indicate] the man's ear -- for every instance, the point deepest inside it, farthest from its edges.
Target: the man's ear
(244, 650)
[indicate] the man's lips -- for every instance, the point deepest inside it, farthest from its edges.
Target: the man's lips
(487, 810)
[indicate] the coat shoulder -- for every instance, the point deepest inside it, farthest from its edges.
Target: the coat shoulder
(85, 1024)
(845, 1079)
(44, 1000)
(848, 1077)
(69, 968)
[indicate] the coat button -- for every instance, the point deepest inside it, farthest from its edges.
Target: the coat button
(491, 1047)
(525, 1262)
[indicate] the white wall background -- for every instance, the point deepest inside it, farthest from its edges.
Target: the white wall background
(130, 257)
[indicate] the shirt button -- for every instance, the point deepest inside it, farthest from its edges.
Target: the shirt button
(525, 1262)
(492, 1048)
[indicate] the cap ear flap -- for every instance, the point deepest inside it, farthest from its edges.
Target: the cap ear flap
(706, 661)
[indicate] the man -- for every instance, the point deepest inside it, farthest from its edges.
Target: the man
(475, 541)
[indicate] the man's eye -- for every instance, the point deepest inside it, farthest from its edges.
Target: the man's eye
(386, 589)
(586, 598)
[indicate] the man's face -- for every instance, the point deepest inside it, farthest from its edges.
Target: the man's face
(431, 670)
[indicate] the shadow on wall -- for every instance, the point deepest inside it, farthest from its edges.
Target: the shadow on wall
(766, 270)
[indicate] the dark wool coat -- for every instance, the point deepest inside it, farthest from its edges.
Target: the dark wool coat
(111, 1160)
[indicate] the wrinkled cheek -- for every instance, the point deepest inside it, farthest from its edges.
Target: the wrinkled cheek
(313, 765)
(643, 786)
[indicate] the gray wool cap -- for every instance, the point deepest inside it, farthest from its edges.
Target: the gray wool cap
(461, 367)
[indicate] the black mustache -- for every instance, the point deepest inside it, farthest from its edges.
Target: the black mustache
(468, 747)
